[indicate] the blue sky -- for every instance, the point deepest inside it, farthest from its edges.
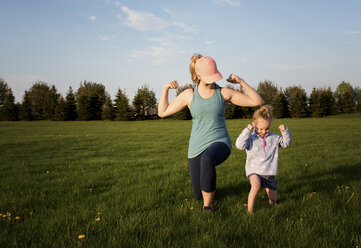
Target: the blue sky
(128, 43)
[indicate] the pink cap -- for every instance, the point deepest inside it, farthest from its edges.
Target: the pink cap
(206, 68)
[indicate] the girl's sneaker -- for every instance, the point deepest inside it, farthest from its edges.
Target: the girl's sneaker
(209, 209)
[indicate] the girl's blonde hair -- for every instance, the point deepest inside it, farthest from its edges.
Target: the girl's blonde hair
(192, 68)
(263, 112)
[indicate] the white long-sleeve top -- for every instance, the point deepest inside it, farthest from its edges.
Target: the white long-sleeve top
(262, 153)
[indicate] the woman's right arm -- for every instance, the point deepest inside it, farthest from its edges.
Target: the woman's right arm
(183, 99)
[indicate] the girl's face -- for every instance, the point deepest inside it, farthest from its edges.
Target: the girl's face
(262, 127)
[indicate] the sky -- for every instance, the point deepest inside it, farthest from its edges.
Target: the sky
(126, 44)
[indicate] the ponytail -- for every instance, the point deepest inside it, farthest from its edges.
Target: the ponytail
(264, 112)
(192, 68)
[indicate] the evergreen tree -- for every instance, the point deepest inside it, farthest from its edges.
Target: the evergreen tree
(184, 114)
(26, 109)
(280, 105)
(122, 107)
(4, 88)
(90, 98)
(60, 110)
(297, 99)
(70, 113)
(51, 102)
(329, 98)
(317, 103)
(108, 109)
(8, 110)
(267, 90)
(144, 100)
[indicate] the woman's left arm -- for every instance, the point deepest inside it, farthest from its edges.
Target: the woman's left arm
(252, 98)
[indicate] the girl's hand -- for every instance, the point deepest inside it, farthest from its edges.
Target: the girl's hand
(250, 127)
(234, 79)
(172, 85)
(282, 128)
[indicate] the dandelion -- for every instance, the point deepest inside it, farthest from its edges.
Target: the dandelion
(81, 236)
(191, 208)
(306, 164)
(97, 219)
(47, 172)
(17, 218)
(90, 189)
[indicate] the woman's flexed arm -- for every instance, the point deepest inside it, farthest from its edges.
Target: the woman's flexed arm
(252, 98)
(165, 108)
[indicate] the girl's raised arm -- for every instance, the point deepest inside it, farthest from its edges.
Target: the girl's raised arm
(165, 108)
(252, 98)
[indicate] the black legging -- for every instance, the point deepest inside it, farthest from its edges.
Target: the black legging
(203, 168)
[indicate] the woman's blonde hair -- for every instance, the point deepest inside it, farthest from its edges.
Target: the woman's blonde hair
(192, 68)
(263, 112)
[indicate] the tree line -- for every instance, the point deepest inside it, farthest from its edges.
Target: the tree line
(92, 102)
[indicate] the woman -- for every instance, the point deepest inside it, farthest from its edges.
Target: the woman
(209, 143)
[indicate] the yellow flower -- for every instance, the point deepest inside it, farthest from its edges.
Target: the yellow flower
(97, 219)
(81, 236)
(191, 208)
(17, 218)
(47, 172)
(99, 213)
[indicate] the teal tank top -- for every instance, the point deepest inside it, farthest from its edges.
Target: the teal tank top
(208, 122)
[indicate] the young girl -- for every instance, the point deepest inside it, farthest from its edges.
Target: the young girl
(209, 143)
(261, 147)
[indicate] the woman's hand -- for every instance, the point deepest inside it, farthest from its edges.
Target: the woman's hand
(172, 85)
(234, 79)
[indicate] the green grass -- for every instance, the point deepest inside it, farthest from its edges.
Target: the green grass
(58, 177)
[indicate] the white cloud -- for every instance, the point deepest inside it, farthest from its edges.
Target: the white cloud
(143, 21)
(233, 3)
(169, 39)
(288, 67)
(353, 32)
(157, 54)
(119, 16)
(168, 11)
(183, 26)
(168, 48)
(92, 18)
(106, 38)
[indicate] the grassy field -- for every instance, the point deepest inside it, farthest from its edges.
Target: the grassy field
(127, 184)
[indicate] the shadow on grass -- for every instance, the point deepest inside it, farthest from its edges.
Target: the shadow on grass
(325, 181)
(239, 190)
